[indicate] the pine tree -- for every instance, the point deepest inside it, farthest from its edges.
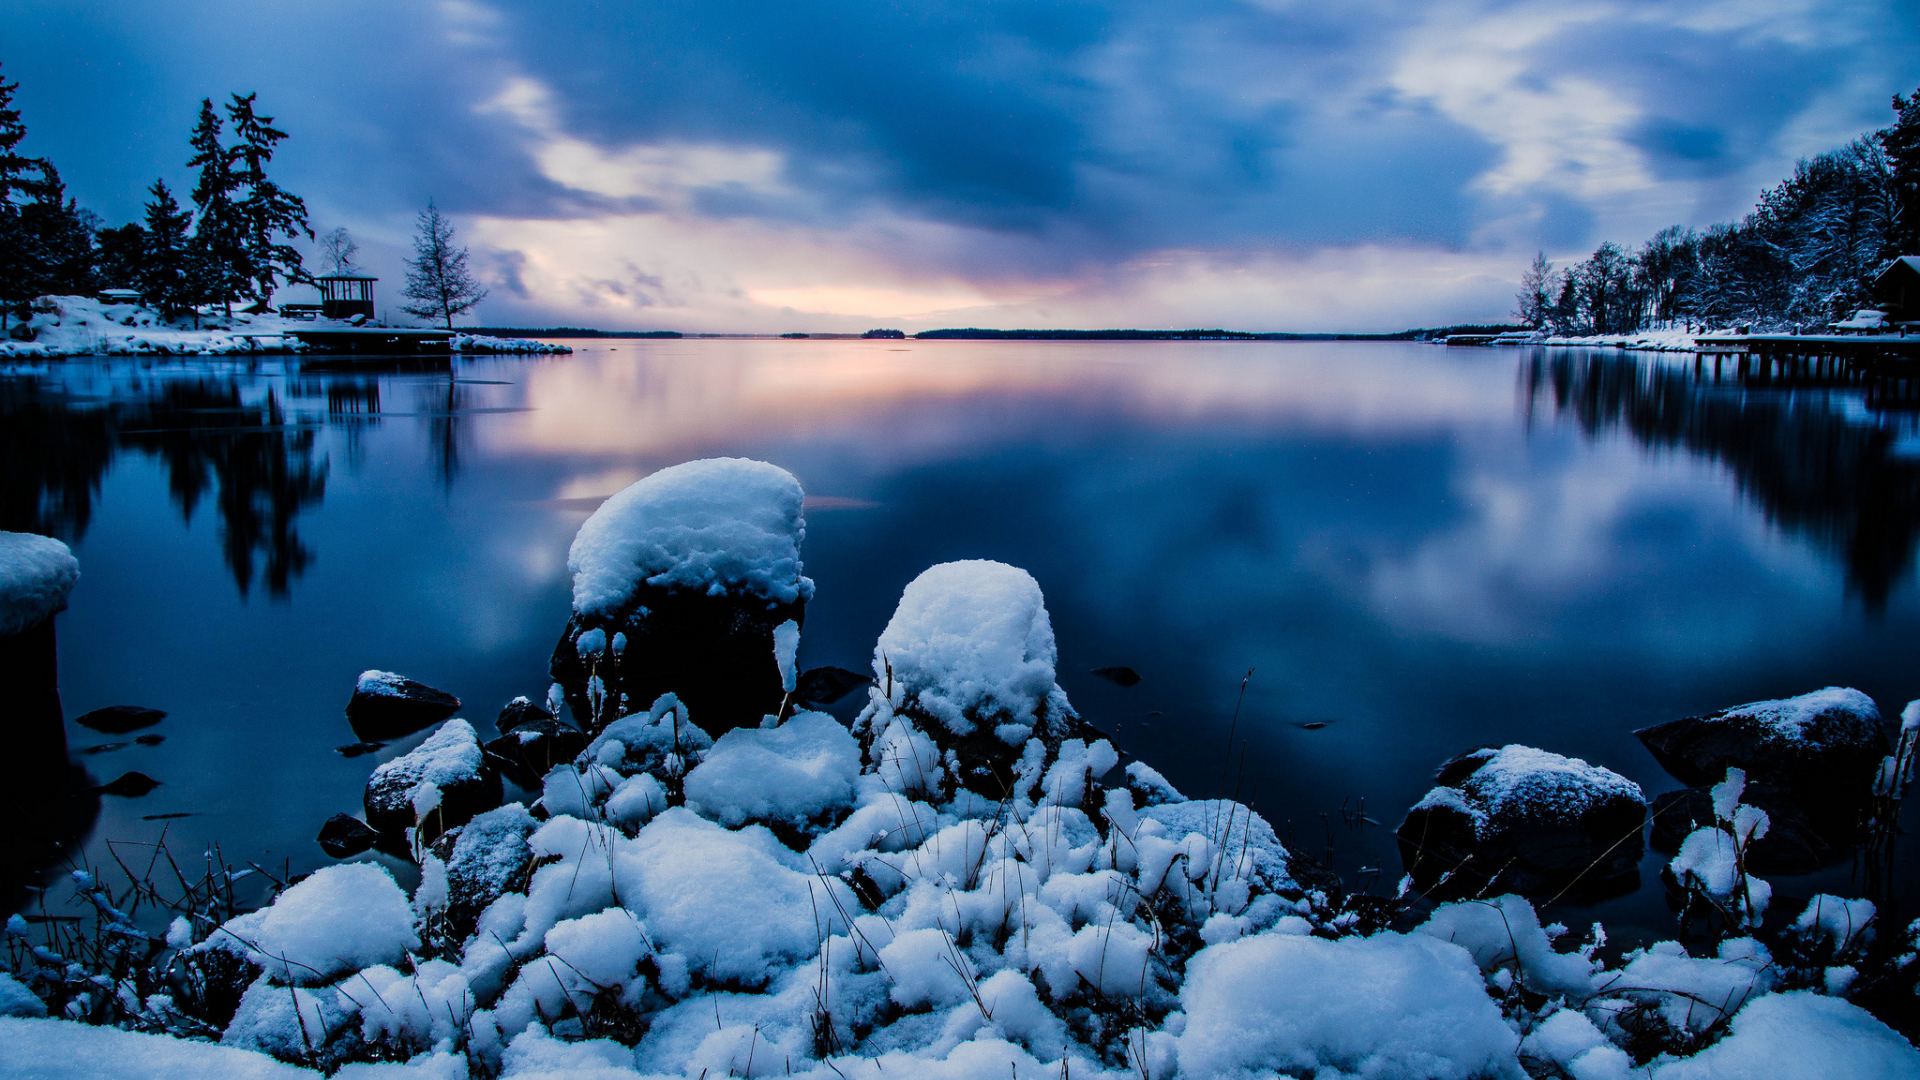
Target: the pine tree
(437, 277)
(15, 272)
(218, 247)
(58, 237)
(1902, 145)
(267, 211)
(120, 256)
(164, 278)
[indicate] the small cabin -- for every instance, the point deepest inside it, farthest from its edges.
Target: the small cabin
(1897, 289)
(342, 296)
(118, 296)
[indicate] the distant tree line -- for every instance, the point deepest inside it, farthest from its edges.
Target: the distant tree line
(230, 246)
(1806, 255)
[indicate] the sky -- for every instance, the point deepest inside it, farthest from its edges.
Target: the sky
(727, 166)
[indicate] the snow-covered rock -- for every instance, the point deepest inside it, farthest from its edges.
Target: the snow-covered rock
(488, 858)
(967, 661)
(1525, 818)
(1822, 748)
(441, 783)
(36, 574)
(339, 919)
(1802, 1035)
(386, 705)
(680, 583)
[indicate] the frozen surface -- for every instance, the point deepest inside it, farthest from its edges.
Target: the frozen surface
(719, 526)
(970, 643)
(36, 573)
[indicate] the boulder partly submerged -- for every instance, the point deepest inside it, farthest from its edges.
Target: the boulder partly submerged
(36, 574)
(443, 782)
(680, 583)
(1520, 819)
(1821, 749)
(386, 706)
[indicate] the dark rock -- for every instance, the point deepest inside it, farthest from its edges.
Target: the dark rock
(343, 836)
(1315, 725)
(1820, 749)
(517, 712)
(166, 817)
(826, 685)
(151, 740)
(120, 719)
(1517, 819)
(488, 859)
(1120, 676)
(129, 785)
(1792, 845)
(452, 761)
(387, 706)
(715, 653)
(356, 749)
(533, 747)
(102, 748)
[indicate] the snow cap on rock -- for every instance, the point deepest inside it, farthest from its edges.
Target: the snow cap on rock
(720, 525)
(339, 919)
(36, 573)
(970, 641)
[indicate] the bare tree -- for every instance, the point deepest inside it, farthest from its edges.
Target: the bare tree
(437, 277)
(337, 250)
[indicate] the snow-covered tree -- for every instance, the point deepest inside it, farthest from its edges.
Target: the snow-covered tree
(218, 236)
(1534, 303)
(438, 281)
(265, 212)
(165, 278)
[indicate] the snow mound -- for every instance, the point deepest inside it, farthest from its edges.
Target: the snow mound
(36, 573)
(482, 343)
(1385, 1006)
(791, 773)
(1803, 1035)
(340, 919)
(719, 526)
(970, 645)
(61, 1050)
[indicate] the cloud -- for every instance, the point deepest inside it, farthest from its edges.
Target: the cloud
(1257, 163)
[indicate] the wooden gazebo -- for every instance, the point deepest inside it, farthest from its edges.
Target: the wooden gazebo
(342, 296)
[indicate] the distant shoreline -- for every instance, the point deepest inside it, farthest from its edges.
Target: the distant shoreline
(977, 334)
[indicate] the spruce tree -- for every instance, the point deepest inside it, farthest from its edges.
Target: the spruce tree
(266, 212)
(120, 256)
(164, 275)
(58, 237)
(1902, 145)
(218, 239)
(15, 168)
(437, 277)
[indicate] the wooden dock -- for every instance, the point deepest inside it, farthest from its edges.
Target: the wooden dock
(1842, 346)
(381, 340)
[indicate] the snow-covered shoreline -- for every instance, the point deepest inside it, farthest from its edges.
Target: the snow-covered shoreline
(64, 326)
(967, 882)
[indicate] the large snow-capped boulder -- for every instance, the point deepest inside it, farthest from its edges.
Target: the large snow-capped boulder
(968, 661)
(679, 584)
(1821, 748)
(36, 574)
(1528, 820)
(386, 705)
(441, 783)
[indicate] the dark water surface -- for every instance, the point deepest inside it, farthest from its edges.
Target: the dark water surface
(1423, 549)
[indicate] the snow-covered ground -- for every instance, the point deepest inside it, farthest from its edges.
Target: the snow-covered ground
(805, 899)
(83, 326)
(1666, 339)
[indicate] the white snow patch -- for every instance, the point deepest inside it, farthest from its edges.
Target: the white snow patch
(340, 919)
(719, 526)
(36, 574)
(792, 773)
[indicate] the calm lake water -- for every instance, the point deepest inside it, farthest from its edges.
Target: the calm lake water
(1423, 549)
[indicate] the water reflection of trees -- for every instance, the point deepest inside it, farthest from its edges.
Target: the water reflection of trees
(260, 470)
(1797, 436)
